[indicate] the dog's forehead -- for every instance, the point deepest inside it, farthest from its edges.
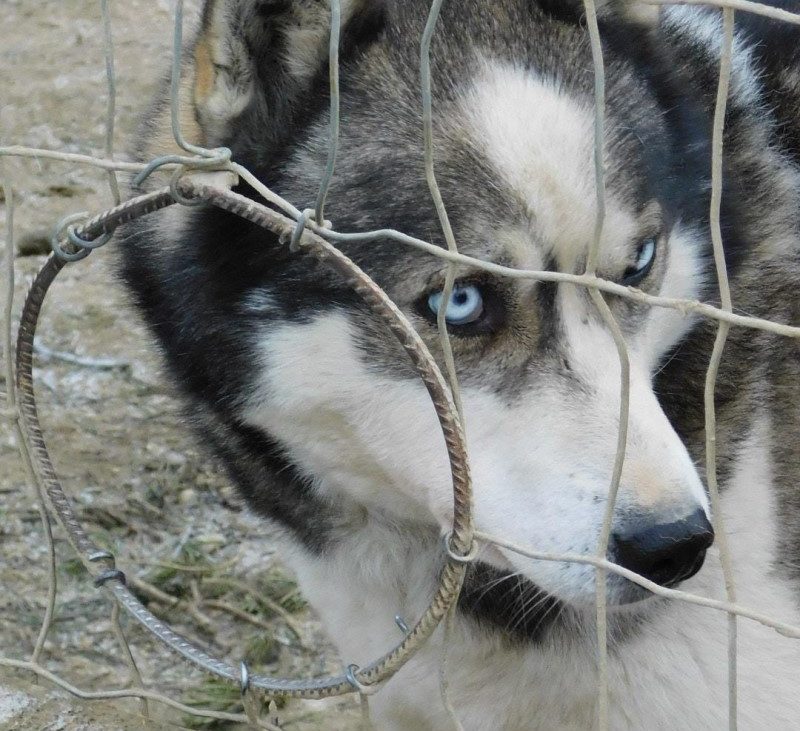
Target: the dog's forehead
(514, 158)
(513, 152)
(539, 141)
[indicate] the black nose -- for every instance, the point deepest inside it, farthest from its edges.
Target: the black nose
(667, 553)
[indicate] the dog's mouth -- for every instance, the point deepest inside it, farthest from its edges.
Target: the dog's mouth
(665, 554)
(505, 600)
(508, 602)
(511, 604)
(499, 592)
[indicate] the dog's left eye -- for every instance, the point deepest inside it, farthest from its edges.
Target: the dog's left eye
(465, 306)
(645, 256)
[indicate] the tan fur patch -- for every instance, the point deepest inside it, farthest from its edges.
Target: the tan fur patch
(161, 140)
(203, 71)
(648, 488)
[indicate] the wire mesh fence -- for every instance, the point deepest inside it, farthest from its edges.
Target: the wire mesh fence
(207, 175)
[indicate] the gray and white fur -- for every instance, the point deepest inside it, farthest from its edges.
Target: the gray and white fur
(310, 403)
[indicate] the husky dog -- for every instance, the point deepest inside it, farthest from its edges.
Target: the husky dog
(320, 419)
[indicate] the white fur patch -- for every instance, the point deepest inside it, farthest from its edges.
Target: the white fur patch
(541, 141)
(671, 674)
(352, 430)
(258, 301)
(541, 467)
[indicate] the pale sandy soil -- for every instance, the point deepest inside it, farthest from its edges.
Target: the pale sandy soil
(137, 479)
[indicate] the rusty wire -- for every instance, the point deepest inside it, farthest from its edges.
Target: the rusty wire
(315, 238)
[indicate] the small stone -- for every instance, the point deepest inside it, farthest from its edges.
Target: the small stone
(174, 459)
(187, 496)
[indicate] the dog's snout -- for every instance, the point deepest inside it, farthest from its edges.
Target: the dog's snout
(666, 553)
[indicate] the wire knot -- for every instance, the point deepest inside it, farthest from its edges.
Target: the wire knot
(175, 189)
(216, 159)
(81, 247)
(297, 234)
(469, 557)
(364, 690)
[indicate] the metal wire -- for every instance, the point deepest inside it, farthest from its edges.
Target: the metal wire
(333, 142)
(721, 536)
(766, 11)
(311, 237)
(135, 676)
(12, 409)
(111, 108)
(782, 628)
(682, 305)
(601, 590)
(438, 202)
(453, 572)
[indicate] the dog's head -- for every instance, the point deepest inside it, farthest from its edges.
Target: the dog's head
(539, 369)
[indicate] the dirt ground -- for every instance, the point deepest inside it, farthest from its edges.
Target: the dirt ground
(137, 480)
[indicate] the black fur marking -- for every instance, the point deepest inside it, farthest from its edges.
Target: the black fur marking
(678, 167)
(565, 11)
(508, 603)
(549, 315)
(522, 613)
(282, 113)
(274, 487)
(776, 46)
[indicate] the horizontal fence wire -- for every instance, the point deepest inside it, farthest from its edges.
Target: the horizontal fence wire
(207, 175)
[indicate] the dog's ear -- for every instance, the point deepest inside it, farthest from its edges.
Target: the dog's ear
(264, 53)
(633, 11)
(574, 11)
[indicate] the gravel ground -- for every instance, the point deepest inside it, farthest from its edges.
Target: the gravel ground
(136, 477)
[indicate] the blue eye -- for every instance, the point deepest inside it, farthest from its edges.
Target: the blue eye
(645, 256)
(465, 305)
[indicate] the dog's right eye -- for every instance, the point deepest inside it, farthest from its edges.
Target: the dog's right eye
(474, 308)
(464, 308)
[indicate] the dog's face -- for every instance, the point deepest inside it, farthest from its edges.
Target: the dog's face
(538, 367)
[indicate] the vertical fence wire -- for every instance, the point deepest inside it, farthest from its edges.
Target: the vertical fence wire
(601, 590)
(725, 63)
(333, 128)
(135, 676)
(599, 133)
(436, 195)
(8, 296)
(12, 408)
(175, 83)
(447, 291)
(111, 104)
